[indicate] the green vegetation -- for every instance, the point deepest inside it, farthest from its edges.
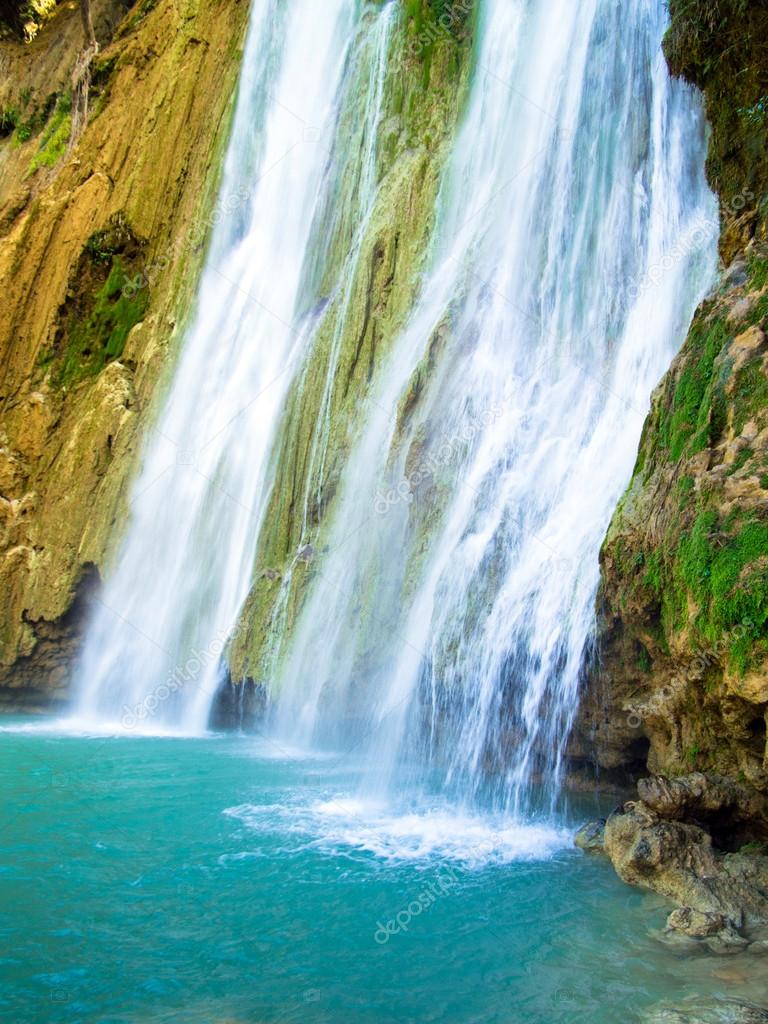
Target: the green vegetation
(433, 20)
(723, 567)
(751, 394)
(139, 14)
(757, 271)
(692, 753)
(722, 46)
(685, 488)
(20, 122)
(100, 83)
(707, 572)
(644, 660)
(695, 416)
(100, 310)
(9, 119)
(741, 460)
(24, 18)
(101, 338)
(53, 144)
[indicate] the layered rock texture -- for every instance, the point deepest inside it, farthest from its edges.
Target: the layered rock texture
(109, 158)
(684, 839)
(109, 153)
(682, 681)
(423, 92)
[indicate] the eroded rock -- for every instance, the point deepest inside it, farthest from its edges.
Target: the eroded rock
(591, 837)
(719, 893)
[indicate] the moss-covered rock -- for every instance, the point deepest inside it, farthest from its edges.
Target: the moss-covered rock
(685, 563)
(84, 340)
(682, 681)
(422, 97)
(722, 46)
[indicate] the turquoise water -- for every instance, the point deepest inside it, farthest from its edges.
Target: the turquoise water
(229, 880)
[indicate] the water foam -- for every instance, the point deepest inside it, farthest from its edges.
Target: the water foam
(344, 825)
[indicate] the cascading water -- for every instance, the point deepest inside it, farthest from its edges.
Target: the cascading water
(152, 658)
(449, 624)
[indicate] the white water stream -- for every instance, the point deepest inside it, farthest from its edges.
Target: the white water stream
(152, 654)
(575, 235)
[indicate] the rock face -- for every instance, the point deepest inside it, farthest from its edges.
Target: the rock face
(677, 859)
(684, 651)
(103, 220)
(681, 684)
(722, 1012)
(422, 99)
(664, 842)
(104, 213)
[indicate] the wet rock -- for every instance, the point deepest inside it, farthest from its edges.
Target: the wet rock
(736, 275)
(727, 943)
(696, 923)
(719, 893)
(699, 798)
(720, 1012)
(591, 837)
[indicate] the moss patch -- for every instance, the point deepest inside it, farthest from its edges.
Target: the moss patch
(694, 418)
(100, 310)
(55, 137)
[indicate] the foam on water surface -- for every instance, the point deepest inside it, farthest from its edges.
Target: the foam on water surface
(346, 825)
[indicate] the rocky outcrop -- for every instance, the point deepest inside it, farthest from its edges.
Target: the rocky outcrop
(721, 1011)
(103, 222)
(681, 683)
(663, 842)
(426, 76)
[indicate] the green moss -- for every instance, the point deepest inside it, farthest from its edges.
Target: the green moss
(695, 416)
(653, 577)
(757, 271)
(741, 460)
(100, 311)
(101, 338)
(644, 660)
(724, 567)
(9, 119)
(685, 488)
(695, 555)
(100, 84)
(692, 753)
(751, 394)
(53, 144)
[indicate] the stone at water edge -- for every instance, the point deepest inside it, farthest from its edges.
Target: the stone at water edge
(721, 1012)
(719, 894)
(696, 923)
(591, 837)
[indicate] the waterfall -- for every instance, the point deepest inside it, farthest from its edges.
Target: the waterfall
(444, 627)
(446, 630)
(152, 657)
